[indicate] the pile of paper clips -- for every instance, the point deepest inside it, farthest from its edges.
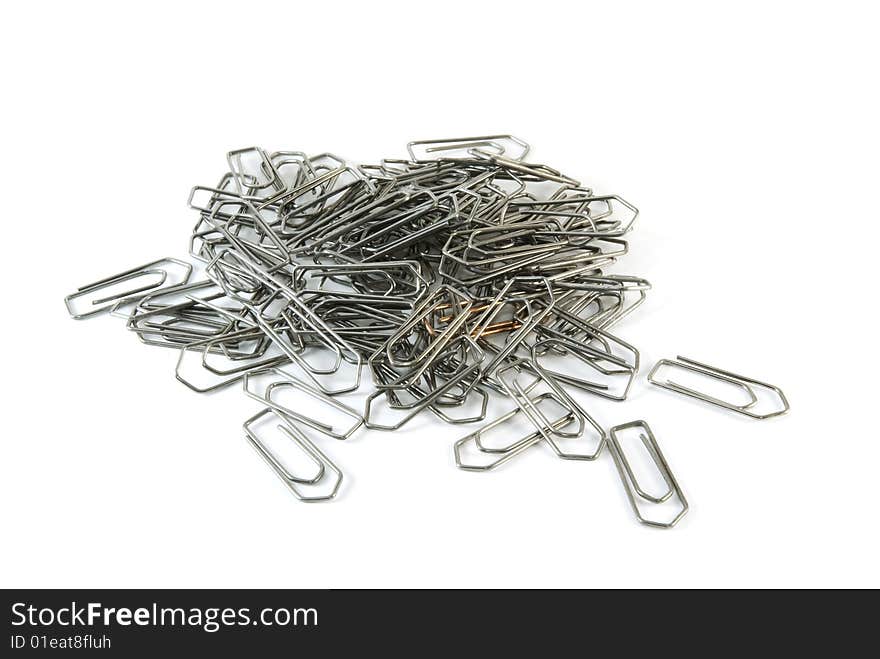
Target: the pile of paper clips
(457, 274)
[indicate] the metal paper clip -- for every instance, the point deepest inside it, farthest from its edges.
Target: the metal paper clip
(152, 276)
(285, 380)
(746, 383)
(328, 477)
(635, 493)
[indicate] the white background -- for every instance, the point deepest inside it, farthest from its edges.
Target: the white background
(748, 138)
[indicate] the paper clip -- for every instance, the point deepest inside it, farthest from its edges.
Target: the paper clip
(156, 274)
(327, 472)
(724, 376)
(634, 492)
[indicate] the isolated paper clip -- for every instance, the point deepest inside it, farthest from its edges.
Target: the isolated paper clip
(747, 384)
(639, 497)
(146, 278)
